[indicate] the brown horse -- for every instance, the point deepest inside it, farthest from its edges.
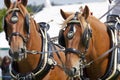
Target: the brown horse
(88, 47)
(34, 56)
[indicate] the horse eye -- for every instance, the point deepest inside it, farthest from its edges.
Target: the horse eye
(70, 34)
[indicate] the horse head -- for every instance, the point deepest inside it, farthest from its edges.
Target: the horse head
(75, 37)
(16, 25)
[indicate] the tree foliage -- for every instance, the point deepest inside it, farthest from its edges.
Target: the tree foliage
(2, 14)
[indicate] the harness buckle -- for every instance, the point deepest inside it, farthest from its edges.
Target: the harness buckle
(51, 61)
(118, 67)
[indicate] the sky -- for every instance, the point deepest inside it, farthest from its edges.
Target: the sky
(37, 2)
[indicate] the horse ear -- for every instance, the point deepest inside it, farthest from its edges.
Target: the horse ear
(24, 2)
(65, 15)
(85, 12)
(7, 3)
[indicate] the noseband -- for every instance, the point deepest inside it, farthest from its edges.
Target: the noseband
(17, 34)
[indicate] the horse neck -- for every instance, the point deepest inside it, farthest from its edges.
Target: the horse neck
(99, 44)
(96, 24)
(100, 40)
(35, 38)
(34, 43)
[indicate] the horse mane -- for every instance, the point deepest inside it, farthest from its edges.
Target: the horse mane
(92, 20)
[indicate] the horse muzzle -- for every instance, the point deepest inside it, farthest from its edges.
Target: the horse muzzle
(18, 55)
(73, 72)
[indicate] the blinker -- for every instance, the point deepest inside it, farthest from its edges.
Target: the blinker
(70, 34)
(14, 18)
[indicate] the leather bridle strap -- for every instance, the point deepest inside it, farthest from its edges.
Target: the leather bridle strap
(72, 50)
(16, 34)
(75, 51)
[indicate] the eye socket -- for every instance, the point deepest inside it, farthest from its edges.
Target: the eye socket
(70, 34)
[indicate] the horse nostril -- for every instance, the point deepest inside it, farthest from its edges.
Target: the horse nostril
(74, 70)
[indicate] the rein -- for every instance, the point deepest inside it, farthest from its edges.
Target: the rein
(109, 10)
(103, 55)
(38, 52)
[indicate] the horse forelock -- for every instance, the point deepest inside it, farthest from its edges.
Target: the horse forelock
(81, 19)
(83, 22)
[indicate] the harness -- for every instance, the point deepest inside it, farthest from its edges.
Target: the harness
(85, 39)
(113, 24)
(114, 64)
(46, 61)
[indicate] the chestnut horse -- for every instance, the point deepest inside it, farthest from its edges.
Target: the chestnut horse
(34, 56)
(89, 48)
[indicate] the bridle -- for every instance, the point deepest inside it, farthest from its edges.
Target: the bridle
(87, 34)
(14, 20)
